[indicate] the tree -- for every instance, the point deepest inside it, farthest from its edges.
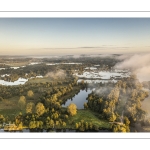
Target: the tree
(126, 121)
(30, 94)
(66, 116)
(51, 123)
(40, 109)
(30, 107)
(72, 109)
(57, 124)
(20, 126)
(55, 115)
(85, 105)
(86, 126)
(32, 125)
(77, 126)
(22, 102)
(119, 128)
(112, 117)
(64, 124)
(2, 119)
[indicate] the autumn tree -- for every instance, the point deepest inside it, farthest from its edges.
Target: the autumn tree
(64, 124)
(30, 94)
(119, 128)
(20, 126)
(127, 122)
(40, 109)
(22, 102)
(32, 125)
(2, 119)
(30, 107)
(72, 109)
(66, 117)
(55, 115)
(76, 125)
(112, 117)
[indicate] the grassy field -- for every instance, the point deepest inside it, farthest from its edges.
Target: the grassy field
(9, 103)
(88, 116)
(45, 79)
(9, 107)
(11, 113)
(40, 80)
(17, 64)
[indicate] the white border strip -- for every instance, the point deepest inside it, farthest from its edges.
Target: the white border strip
(51, 135)
(74, 14)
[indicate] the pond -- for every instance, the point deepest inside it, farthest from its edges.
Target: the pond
(79, 99)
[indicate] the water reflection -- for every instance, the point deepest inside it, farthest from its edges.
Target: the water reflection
(79, 99)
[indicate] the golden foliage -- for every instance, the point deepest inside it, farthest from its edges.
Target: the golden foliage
(40, 109)
(72, 109)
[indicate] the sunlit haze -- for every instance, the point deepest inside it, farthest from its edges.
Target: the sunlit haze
(61, 36)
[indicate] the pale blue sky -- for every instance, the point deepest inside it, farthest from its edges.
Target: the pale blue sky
(58, 36)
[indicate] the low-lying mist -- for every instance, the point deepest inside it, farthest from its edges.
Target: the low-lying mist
(56, 74)
(139, 64)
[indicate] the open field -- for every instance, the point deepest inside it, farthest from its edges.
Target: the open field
(90, 117)
(43, 80)
(17, 64)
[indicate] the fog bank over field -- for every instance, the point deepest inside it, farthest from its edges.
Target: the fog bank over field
(56, 74)
(138, 63)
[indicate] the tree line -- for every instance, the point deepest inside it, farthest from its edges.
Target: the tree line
(120, 104)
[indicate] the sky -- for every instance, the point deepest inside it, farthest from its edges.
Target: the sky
(71, 36)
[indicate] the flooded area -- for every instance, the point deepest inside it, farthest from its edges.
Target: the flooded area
(15, 67)
(96, 81)
(17, 82)
(104, 75)
(63, 63)
(2, 68)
